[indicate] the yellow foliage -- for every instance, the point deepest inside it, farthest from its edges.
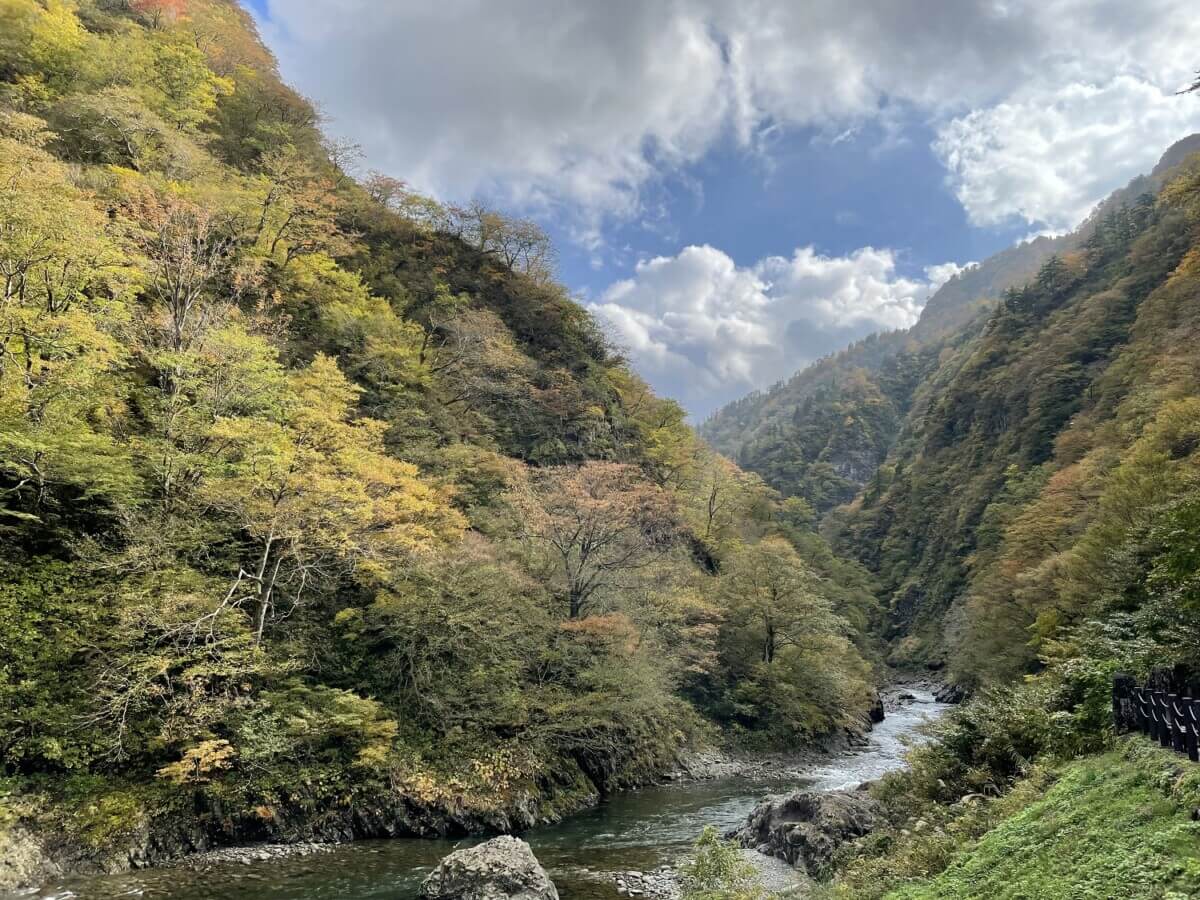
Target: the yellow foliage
(200, 763)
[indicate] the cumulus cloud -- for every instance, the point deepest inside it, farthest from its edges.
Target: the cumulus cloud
(704, 330)
(1047, 155)
(579, 105)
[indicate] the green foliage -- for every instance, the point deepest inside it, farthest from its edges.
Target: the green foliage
(47, 618)
(790, 670)
(1019, 503)
(717, 871)
(315, 724)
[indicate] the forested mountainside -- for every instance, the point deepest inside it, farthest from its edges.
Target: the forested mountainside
(1035, 529)
(822, 434)
(325, 510)
(1043, 490)
(973, 454)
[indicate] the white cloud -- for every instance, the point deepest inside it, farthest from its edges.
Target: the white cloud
(579, 105)
(704, 330)
(539, 102)
(578, 109)
(1047, 155)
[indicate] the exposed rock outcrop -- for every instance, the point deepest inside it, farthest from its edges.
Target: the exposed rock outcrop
(23, 859)
(503, 868)
(804, 828)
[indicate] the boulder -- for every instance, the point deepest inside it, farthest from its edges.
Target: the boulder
(950, 693)
(501, 868)
(804, 828)
(876, 713)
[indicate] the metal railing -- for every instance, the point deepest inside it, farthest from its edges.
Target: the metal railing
(1171, 719)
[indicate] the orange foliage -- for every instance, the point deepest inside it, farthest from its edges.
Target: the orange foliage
(159, 12)
(614, 631)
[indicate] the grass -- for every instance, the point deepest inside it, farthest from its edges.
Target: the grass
(1112, 826)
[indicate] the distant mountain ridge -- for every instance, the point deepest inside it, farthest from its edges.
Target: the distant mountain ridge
(823, 433)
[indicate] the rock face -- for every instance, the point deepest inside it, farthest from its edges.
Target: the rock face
(504, 867)
(805, 828)
(23, 860)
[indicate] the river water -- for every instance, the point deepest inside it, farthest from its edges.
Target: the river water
(639, 830)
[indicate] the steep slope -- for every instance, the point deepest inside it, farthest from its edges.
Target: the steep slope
(822, 434)
(1020, 498)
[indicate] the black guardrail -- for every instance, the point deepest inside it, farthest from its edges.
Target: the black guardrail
(1170, 718)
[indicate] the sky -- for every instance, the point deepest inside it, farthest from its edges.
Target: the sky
(739, 187)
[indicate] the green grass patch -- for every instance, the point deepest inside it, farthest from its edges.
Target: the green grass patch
(1111, 826)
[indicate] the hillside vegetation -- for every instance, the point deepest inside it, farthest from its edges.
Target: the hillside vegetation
(1030, 502)
(1115, 825)
(324, 509)
(1015, 476)
(1039, 502)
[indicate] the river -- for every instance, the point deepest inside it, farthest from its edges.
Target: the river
(637, 830)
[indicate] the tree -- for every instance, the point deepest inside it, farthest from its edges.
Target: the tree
(185, 90)
(462, 612)
(115, 127)
(520, 244)
(723, 500)
(189, 248)
(601, 521)
(299, 208)
(158, 13)
(398, 197)
(475, 359)
(772, 594)
(62, 299)
(41, 47)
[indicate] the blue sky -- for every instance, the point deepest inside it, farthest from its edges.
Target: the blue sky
(737, 187)
(863, 190)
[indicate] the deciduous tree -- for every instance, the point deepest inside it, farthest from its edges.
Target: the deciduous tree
(600, 521)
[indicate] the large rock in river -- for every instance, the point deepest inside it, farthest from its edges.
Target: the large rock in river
(502, 868)
(804, 828)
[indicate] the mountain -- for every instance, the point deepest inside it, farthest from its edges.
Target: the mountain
(1035, 532)
(1021, 472)
(1004, 413)
(325, 510)
(993, 525)
(822, 434)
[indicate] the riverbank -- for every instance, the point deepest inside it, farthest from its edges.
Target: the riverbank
(100, 827)
(639, 830)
